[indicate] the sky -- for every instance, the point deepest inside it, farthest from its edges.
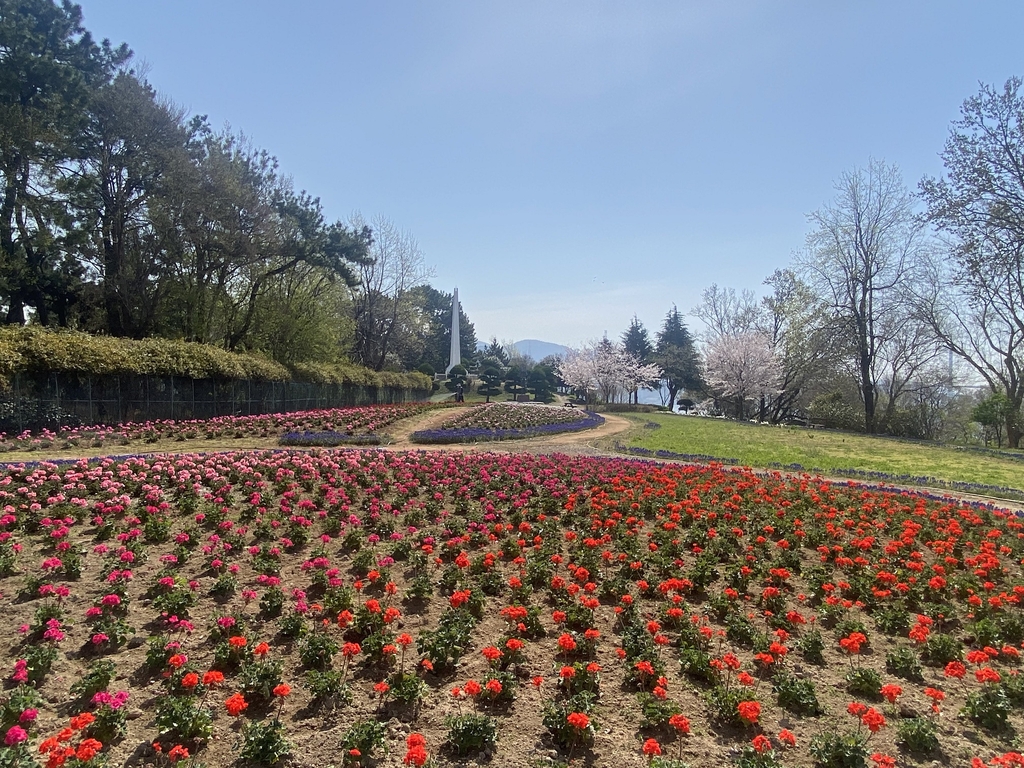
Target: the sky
(569, 165)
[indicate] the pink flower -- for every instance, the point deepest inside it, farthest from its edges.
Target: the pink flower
(15, 735)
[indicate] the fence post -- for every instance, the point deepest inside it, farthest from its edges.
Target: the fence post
(172, 397)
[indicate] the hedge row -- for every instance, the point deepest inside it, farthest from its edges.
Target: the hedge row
(38, 350)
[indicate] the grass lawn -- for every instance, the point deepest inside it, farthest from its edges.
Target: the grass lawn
(830, 452)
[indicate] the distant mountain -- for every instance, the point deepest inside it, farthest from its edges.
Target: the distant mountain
(538, 350)
(534, 348)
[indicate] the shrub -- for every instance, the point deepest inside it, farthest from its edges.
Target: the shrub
(96, 678)
(656, 711)
(259, 677)
(990, 708)
(917, 735)
(696, 663)
(183, 718)
(444, 646)
(40, 659)
(723, 701)
(796, 694)
(864, 681)
(903, 662)
(367, 736)
(317, 649)
(751, 758)
(940, 649)
(406, 687)
(328, 688)
(555, 719)
(471, 733)
(811, 645)
(263, 742)
(831, 749)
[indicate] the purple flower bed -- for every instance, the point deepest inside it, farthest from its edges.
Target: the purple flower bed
(327, 439)
(480, 434)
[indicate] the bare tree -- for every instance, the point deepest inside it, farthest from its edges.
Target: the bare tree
(726, 313)
(802, 338)
(857, 261)
(382, 300)
(974, 302)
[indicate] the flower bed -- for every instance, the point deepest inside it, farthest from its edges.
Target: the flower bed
(508, 421)
(612, 610)
(870, 476)
(362, 420)
(326, 439)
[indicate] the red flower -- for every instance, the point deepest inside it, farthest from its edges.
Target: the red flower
(350, 649)
(472, 687)
(787, 737)
(873, 719)
(651, 748)
(891, 692)
(578, 720)
(235, 704)
(282, 690)
(190, 681)
(213, 678)
(680, 723)
(955, 669)
(987, 675)
(762, 744)
(749, 711)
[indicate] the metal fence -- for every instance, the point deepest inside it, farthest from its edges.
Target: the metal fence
(114, 399)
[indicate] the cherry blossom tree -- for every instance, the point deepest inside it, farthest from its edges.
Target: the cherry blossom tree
(606, 370)
(743, 367)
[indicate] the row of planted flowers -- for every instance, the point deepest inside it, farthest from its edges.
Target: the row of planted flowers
(507, 421)
(868, 476)
(196, 607)
(346, 424)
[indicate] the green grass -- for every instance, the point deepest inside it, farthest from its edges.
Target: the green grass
(829, 452)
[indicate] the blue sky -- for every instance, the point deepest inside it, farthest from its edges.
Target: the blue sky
(569, 164)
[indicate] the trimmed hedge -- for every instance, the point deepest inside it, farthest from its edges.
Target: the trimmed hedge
(34, 350)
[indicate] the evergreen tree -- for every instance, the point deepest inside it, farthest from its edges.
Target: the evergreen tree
(490, 383)
(677, 356)
(637, 343)
(541, 384)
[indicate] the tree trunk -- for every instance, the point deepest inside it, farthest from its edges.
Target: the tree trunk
(868, 391)
(671, 397)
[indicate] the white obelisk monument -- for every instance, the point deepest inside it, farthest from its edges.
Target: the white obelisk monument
(456, 349)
